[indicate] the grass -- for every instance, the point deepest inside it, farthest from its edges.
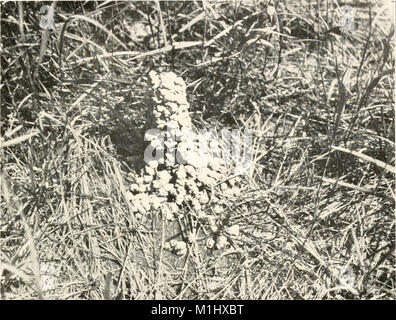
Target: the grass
(316, 215)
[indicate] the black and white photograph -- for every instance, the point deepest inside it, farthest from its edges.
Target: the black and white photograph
(224, 151)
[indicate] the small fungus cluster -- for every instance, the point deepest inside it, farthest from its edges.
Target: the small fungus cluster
(188, 178)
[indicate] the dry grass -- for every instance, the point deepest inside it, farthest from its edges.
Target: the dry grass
(316, 216)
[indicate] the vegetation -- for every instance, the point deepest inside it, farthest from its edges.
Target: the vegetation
(314, 219)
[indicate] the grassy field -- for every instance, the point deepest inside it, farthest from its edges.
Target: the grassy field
(312, 80)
